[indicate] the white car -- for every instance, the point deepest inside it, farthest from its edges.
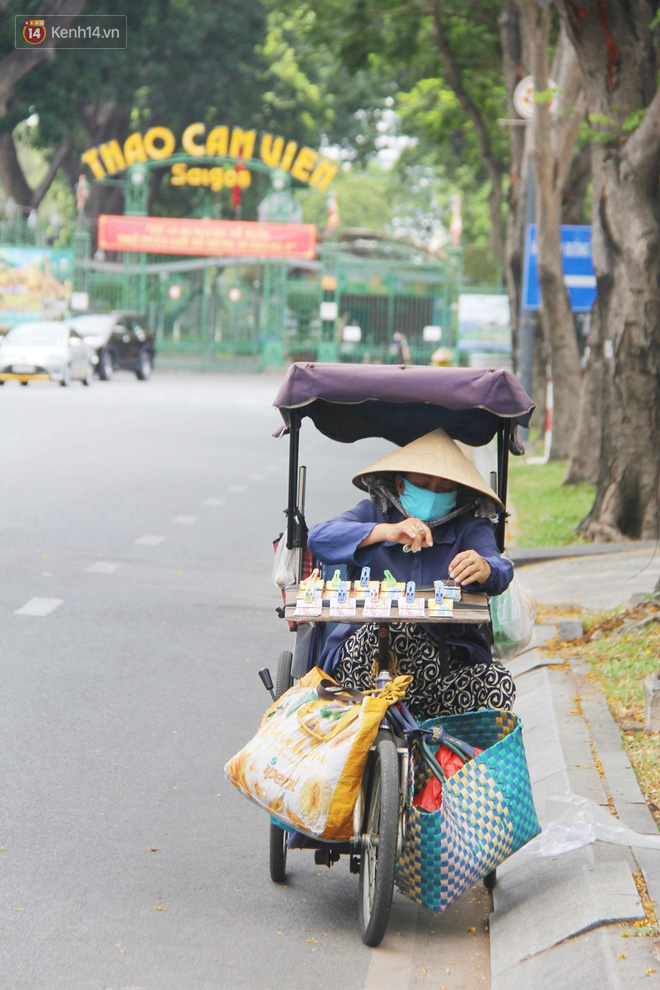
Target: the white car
(44, 351)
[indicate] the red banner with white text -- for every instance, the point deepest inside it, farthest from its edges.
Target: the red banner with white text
(216, 238)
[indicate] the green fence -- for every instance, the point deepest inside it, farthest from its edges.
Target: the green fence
(271, 311)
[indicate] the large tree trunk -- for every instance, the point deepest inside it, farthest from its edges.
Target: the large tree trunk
(554, 136)
(577, 186)
(101, 120)
(585, 452)
(614, 44)
(584, 458)
(12, 177)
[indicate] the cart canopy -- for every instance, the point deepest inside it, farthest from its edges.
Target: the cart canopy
(349, 402)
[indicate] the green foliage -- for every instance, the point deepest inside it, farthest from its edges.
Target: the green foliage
(58, 201)
(545, 511)
(338, 106)
(603, 129)
(395, 41)
(294, 95)
(186, 62)
(621, 661)
(633, 120)
(365, 198)
(481, 265)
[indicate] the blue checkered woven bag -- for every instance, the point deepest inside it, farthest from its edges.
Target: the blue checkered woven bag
(487, 811)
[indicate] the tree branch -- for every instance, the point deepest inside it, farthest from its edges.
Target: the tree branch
(62, 150)
(571, 102)
(643, 146)
(469, 106)
(19, 61)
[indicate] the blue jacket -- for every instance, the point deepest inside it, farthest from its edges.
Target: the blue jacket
(336, 541)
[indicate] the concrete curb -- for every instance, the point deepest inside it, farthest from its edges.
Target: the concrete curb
(558, 921)
(537, 555)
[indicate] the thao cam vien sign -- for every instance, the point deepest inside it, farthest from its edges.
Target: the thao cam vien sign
(158, 144)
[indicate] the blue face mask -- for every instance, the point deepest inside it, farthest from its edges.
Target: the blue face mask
(424, 504)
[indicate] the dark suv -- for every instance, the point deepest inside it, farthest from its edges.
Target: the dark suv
(117, 340)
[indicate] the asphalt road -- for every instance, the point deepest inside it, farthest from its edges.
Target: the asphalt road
(136, 605)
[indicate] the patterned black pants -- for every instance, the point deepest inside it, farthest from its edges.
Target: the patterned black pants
(461, 689)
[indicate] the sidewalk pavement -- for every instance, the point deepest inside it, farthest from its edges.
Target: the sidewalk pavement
(565, 922)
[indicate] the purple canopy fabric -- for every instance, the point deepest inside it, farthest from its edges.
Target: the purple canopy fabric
(348, 402)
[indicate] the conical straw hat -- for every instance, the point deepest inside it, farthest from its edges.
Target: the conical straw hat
(435, 454)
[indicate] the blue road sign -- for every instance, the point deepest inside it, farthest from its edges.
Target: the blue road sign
(578, 268)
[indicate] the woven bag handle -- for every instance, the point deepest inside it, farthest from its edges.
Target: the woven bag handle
(431, 761)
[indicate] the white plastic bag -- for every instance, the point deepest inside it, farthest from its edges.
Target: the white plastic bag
(513, 614)
(285, 564)
(576, 821)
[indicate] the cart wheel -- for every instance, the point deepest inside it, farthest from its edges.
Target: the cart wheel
(283, 679)
(278, 839)
(490, 880)
(278, 836)
(379, 844)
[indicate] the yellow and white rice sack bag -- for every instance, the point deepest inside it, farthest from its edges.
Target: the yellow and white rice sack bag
(305, 764)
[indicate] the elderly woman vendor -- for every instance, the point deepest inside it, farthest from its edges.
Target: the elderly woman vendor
(428, 517)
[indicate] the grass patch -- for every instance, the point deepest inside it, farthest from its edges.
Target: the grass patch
(545, 512)
(622, 649)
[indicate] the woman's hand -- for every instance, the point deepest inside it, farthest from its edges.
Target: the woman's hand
(410, 532)
(468, 567)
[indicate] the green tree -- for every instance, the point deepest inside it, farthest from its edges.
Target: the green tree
(365, 198)
(443, 59)
(184, 62)
(342, 106)
(16, 67)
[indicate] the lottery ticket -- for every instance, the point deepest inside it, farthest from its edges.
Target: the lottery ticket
(411, 610)
(381, 608)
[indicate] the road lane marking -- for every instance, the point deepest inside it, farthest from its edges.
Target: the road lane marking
(185, 520)
(103, 567)
(236, 488)
(39, 606)
(213, 501)
(150, 541)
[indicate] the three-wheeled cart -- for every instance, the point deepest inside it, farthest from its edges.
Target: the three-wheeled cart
(398, 403)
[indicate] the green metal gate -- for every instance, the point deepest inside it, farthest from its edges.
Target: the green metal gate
(217, 312)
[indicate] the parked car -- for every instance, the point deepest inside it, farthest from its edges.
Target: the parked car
(117, 340)
(44, 351)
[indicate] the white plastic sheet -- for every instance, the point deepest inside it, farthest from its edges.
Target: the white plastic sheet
(576, 821)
